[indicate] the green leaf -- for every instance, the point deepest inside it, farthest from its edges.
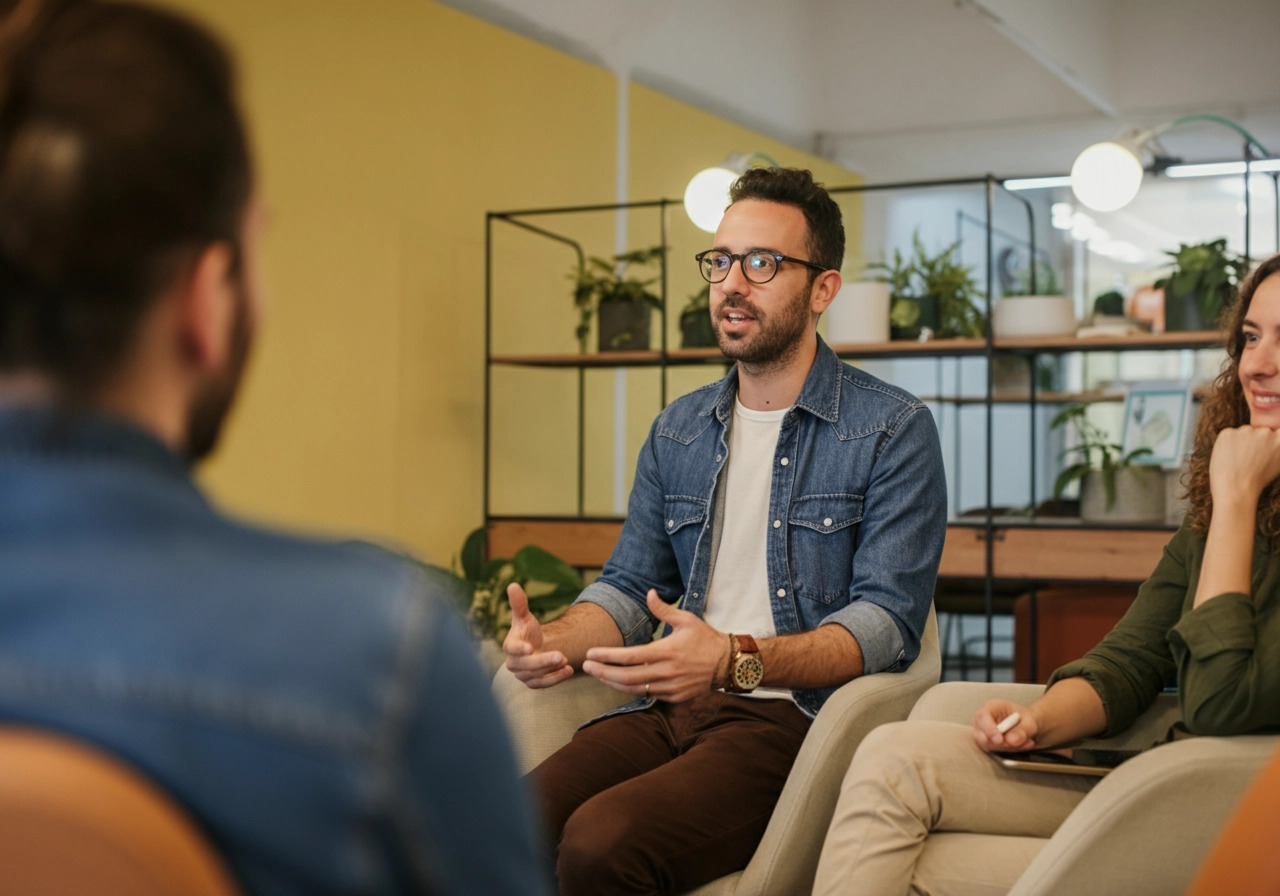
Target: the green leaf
(554, 600)
(473, 555)
(491, 570)
(1068, 476)
(1136, 453)
(534, 564)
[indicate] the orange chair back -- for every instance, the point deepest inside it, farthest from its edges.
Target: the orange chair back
(76, 821)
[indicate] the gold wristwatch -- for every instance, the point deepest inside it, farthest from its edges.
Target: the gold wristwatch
(746, 669)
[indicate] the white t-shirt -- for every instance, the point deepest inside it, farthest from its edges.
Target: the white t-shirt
(738, 594)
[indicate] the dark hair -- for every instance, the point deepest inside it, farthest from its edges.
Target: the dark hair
(122, 156)
(1225, 407)
(796, 186)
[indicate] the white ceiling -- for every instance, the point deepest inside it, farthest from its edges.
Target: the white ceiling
(915, 89)
(900, 90)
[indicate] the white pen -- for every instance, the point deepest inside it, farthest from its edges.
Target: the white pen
(1008, 722)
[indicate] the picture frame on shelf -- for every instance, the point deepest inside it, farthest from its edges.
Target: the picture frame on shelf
(1157, 416)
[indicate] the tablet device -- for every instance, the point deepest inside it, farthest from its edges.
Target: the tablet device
(1080, 761)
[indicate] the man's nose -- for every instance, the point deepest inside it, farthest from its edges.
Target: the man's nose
(735, 281)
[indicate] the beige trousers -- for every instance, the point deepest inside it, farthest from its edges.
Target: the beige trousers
(915, 796)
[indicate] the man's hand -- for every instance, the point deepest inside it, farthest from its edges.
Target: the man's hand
(686, 663)
(523, 645)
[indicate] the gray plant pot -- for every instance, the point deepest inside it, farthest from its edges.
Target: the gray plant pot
(624, 326)
(1140, 496)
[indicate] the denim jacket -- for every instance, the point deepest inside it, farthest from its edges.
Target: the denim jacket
(857, 509)
(313, 705)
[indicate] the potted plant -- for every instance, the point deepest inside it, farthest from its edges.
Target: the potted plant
(696, 330)
(1109, 304)
(1017, 281)
(930, 292)
(478, 589)
(1115, 487)
(1023, 312)
(623, 303)
(1203, 281)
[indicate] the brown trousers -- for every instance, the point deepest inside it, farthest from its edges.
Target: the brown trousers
(669, 798)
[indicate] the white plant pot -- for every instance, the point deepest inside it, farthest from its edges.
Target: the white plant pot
(1140, 496)
(859, 313)
(1025, 316)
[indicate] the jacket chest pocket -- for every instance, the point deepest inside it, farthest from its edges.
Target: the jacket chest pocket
(683, 518)
(823, 533)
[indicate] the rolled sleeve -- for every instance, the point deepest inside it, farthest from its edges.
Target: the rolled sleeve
(876, 633)
(1223, 624)
(635, 623)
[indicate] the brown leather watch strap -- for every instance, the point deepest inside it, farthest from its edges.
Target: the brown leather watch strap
(744, 658)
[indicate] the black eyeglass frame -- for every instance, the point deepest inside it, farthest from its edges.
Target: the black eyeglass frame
(778, 258)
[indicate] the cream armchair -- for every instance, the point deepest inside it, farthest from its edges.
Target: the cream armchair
(1144, 828)
(785, 861)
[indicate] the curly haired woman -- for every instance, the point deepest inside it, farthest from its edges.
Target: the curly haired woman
(1207, 620)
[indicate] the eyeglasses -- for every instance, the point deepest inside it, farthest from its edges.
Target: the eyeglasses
(760, 266)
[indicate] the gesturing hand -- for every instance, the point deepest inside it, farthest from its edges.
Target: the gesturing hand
(678, 667)
(523, 645)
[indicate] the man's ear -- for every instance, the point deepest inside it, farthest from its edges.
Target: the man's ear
(206, 306)
(825, 287)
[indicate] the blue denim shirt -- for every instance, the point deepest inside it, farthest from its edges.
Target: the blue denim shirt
(858, 511)
(313, 705)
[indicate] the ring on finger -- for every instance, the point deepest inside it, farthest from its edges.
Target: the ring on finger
(646, 690)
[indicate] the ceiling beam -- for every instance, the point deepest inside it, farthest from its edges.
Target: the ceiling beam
(1071, 40)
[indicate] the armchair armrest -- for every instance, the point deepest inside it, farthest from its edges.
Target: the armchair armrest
(958, 701)
(787, 857)
(542, 721)
(1136, 831)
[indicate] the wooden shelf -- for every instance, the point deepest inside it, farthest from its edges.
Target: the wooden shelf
(898, 349)
(1145, 341)
(1056, 550)
(1025, 397)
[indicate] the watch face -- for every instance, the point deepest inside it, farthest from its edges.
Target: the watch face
(748, 671)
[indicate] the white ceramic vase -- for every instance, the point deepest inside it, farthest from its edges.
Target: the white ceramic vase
(859, 313)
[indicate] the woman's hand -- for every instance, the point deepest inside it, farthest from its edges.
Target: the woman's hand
(1018, 735)
(1245, 460)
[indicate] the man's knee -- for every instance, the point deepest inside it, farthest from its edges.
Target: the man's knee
(604, 849)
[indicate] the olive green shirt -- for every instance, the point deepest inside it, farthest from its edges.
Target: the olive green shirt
(1224, 656)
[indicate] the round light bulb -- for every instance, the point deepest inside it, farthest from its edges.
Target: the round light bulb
(707, 196)
(1106, 176)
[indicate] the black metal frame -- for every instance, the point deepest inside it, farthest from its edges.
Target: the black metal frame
(989, 183)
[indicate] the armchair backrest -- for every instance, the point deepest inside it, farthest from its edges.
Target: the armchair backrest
(74, 820)
(1244, 860)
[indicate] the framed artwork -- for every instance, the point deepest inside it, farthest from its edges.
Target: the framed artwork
(1158, 416)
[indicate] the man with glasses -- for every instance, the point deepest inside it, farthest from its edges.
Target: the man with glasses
(796, 510)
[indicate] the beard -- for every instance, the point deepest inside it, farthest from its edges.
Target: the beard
(209, 409)
(779, 334)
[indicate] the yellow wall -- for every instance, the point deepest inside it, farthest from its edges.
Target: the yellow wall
(383, 134)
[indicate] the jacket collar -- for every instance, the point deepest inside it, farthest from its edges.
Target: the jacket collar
(48, 431)
(820, 394)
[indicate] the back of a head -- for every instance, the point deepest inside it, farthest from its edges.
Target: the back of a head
(796, 187)
(122, 155)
